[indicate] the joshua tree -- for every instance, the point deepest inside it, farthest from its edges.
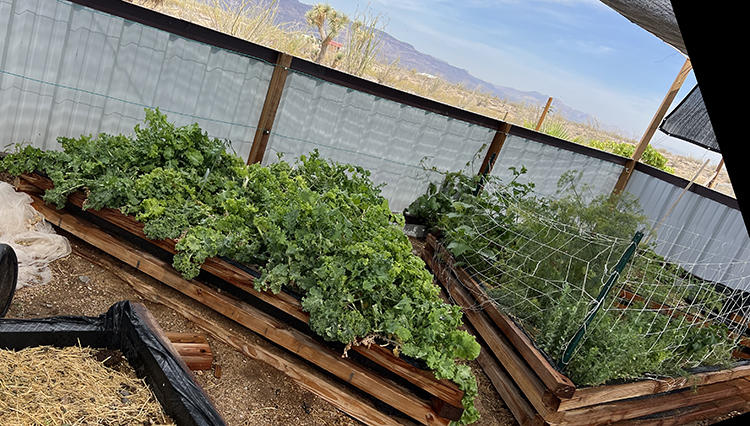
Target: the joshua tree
(317, 17)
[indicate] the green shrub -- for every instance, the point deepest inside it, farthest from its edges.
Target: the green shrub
(650, 156)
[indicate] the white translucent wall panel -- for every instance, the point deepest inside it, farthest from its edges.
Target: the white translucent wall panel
(68, 70)
(387, 138)
(546, 164)
(703, 236)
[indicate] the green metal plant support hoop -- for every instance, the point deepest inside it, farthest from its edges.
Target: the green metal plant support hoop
(573, 344)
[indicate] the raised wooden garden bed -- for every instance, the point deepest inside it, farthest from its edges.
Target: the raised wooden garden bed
(408, 389)
(538, 394)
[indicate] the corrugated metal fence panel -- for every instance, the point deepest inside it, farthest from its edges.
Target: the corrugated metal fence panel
(66, 70)
(546, 164)
(387, 138)
(705, 237)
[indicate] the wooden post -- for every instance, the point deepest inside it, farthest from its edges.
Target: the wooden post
(684, 190)
(712, 182)
(544, 114)
(495, 146)
(658, 117)
(271, 105)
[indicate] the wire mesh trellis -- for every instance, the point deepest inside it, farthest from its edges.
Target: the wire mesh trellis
(544, 262)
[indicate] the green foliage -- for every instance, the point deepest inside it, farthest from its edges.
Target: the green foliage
(458, 191)
(317, 227)
(650, 156)
(537, 256)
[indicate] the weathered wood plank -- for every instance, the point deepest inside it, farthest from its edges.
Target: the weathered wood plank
(448, 394)
(559, 384)
(270, 107)
(249, 316)
(638, 407)
(698, 412)
(307, 378)
(525, 378)
(584, 397)
(442, 389)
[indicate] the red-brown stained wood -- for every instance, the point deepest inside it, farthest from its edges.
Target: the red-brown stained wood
(193, 349)
(443, 389)
(249, 316)
(602, 394)
(634, 408)
(446, 391)
(559, 384)
(512, 396)
(525, 378)
(270, 107)
(695, 413)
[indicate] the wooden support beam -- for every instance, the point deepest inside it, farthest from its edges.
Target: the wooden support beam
(270, 106)
(559, 384)
(653, 126)
(494, 150)
(193, 349)
(254, 319)
(525, 378)
(544, 114)
(306, 377)
(712, 181)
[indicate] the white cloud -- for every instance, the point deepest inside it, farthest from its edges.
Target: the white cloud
(585, 46)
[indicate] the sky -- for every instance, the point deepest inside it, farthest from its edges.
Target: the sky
(580, 52)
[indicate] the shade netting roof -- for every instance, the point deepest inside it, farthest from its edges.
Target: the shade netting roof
(689, 121)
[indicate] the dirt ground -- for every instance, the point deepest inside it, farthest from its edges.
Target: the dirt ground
(248, 392)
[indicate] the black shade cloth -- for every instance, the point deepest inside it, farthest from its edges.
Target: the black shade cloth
(689, 121)
(120, 328)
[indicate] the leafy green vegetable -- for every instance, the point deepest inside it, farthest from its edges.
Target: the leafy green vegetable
(317, 227)
(539, 256)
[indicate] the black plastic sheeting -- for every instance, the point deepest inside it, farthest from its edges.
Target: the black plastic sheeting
(689, 121)
(120, 328)
(8, 277)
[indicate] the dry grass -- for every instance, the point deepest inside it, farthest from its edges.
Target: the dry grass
(71, 387)
(245, 19)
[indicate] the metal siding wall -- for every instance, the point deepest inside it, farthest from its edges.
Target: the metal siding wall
(387, 138)
(705, 237)
(546, 164)
(67, 70)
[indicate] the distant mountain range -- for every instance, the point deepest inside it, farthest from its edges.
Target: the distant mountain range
(293, 12)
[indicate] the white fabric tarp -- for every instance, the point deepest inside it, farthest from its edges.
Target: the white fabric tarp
(32, 238)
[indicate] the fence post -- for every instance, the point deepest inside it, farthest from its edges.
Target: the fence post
(270, 106)
(655, 121)
(495, 146)
(544, 114)
(494, 150)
